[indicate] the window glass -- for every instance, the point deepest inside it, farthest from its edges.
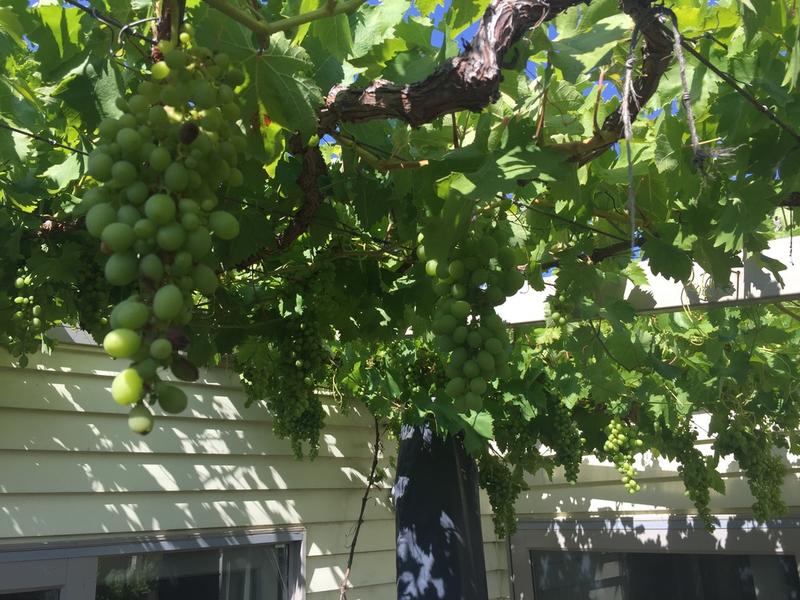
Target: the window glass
(251, 573)
(612, 576)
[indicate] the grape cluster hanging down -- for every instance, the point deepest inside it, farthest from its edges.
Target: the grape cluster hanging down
(477, 276)
(622, 443)
(162, 167)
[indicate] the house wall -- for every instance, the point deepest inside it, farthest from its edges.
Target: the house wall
(71, 469)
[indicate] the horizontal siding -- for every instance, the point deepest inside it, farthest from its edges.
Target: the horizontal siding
(70, 467)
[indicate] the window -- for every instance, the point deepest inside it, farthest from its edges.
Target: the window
(627, 558)
(613, 576)
(258, 573)
(231, 567)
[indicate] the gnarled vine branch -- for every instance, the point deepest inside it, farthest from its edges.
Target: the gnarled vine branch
(469, 81)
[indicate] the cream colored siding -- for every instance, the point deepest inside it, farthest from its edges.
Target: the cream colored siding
(70, 468)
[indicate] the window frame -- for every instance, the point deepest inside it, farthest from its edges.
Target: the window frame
(72, 566)
(646, 535)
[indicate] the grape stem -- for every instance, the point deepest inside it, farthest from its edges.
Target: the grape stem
(371, 480)
(34, 136)
(266, 29)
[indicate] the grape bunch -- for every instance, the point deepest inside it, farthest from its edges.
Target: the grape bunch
(622, 443)
(503, 486)
(752, 448)
(284, 369)
(693, 469)
(476, 277)
(564, 438)
(26, 317)
(162, 168)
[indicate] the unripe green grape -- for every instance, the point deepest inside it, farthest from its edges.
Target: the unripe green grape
(126, 120)
(168, 302)
(151, 267)
(445, 324)
(198, 243)
(474, 339)
(235, 178)
(458, 291)
(36, 311)
(137, 192)
(182, 263)
(36, 322)
(460, 334)
(460, 309)
(123, 173)
(190, 221)
(160, 159)
(130, 314)
(456, 387)
(157, 117)
(231, 111)
(92, 196)
(226, 94)
(100, 165)
(122, 343)
(471, 369)
(144, 229)
(118, 236)
(170, 237)
(479, 277)
(203, 94)
(159, 71)
(160, 209)
(486, 362)
(431, 267)
(234, 77)
(176, 178)
(98, 218)
(107, 129)
(176, 59)
(456, 270)
(185, 38)
(204, 279)
(140, 419)
(223, 224)
(161, 349)
(121, 103)
(147, 369)
(493, 346)
(459, 356)
(473, 401)
(121, 268)
(209, 203)
(187, 205)
(128, 140)
(477, 385)
(126, 388)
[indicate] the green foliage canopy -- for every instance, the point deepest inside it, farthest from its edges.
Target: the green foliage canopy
(367, 263)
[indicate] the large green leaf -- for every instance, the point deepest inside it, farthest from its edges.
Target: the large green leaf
(283, 90)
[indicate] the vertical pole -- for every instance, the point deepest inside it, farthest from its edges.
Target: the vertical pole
(439, 540)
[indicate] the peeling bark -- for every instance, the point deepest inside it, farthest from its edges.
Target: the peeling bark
(469, 81)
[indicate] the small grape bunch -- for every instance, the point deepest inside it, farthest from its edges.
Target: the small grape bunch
(622, 443)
